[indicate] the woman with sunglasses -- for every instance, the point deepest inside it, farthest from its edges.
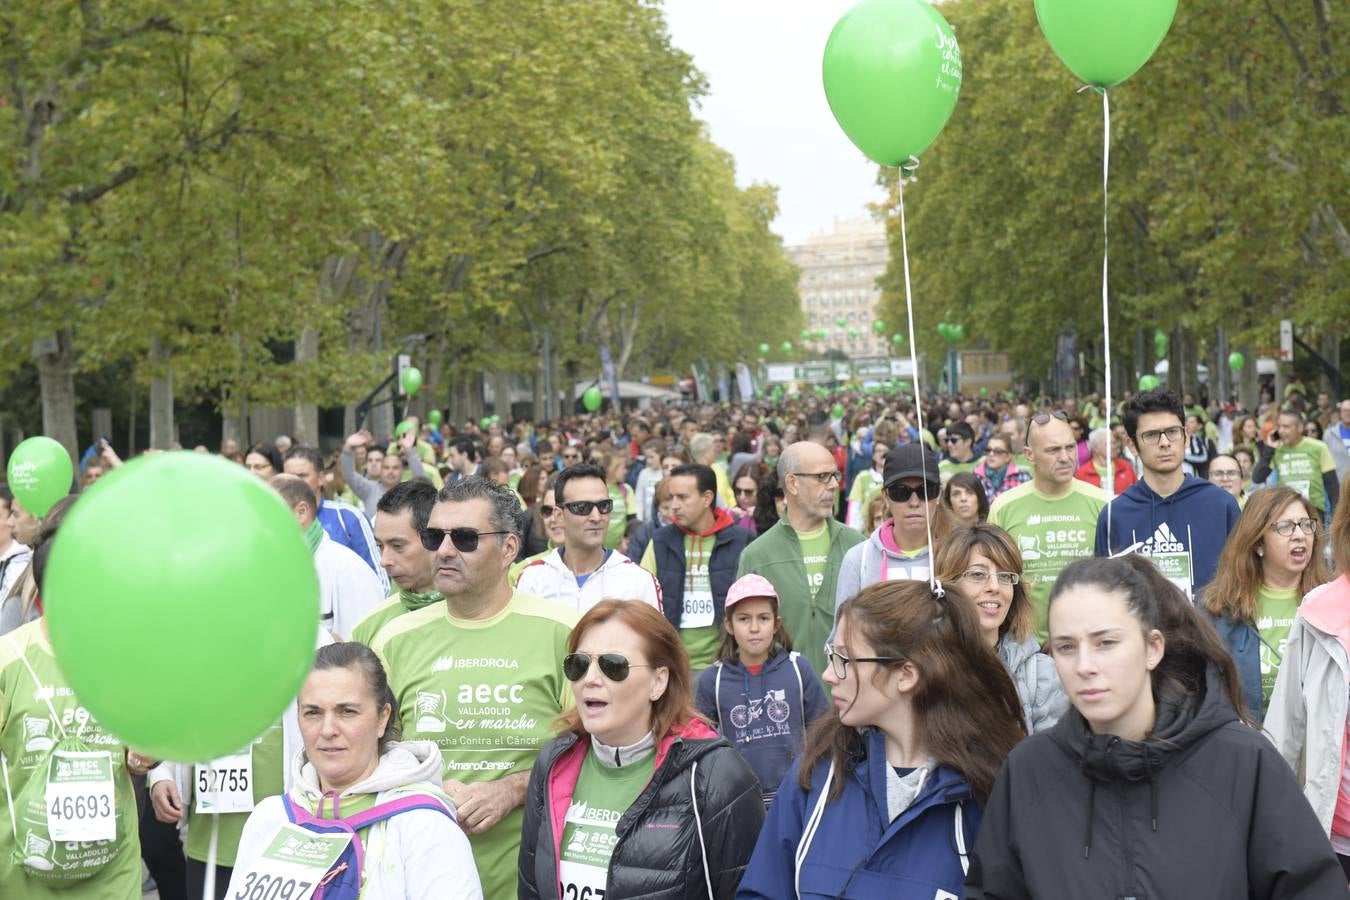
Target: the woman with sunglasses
(637, 797)
(899, 548)
(1270, 562)
(1154, 784)
(886, 796)
(997, 470)
(1308, 708)
(982, 564)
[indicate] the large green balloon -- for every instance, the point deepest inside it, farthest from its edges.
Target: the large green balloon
(221, 576)
(402, 428)
(1148, 382)
(1236, 361)
(412, 380)
(40, 473)
(1104, 42)
(434, 418)
(892, 74)
(591, 399)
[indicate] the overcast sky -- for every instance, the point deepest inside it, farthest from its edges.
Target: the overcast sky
(767, 107)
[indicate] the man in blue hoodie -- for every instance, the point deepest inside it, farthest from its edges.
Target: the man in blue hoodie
(1177, 520)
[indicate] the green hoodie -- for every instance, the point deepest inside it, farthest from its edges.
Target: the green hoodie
(777, 555)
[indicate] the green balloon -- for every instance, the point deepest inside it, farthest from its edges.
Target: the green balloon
(786, 346)
(764, 348)
(838, 410)
(944, 331)
(1148, 382)
(1236, 361)
(892, 73)
(984, 392)
(40, 473)
(853, 332)
(958, 332)
(232, 594)
(897, 339)
(412, 381)
(590, 400)
(841, 321)
(1104, 42)
(402, 427)
(806, 334)
(434, 418)
(821, 334)
(484, 422)
(879, 326)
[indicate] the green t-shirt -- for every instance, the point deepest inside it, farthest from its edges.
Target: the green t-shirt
(866, 485)
(815, 554)
(602, 795)
(698, 628)
(947, 468)
(1275, 611)
(393, 607)
(1051, 532)
(27, 733)
(1301, 468)
(269, 780)
(486, 693)
(622, 495)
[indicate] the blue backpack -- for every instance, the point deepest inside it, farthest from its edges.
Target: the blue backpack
(343, 881)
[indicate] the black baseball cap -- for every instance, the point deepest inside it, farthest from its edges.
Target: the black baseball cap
(910, 461)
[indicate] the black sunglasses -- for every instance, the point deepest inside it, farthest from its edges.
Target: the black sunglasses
(464, 539)
(614, 666)
(584, 507)
(901, 493)
(545, 510)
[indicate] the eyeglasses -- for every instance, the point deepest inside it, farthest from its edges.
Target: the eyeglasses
(901, 493)
(545, 510)
(1224, 474)
(746, 492)
(980, 577)
(1172, 434)
(1044, 419)
(996, 451)
(839, 662)
(584, 507)
(614, 666)
(464, 539)
(1285, 527)
(823, 477)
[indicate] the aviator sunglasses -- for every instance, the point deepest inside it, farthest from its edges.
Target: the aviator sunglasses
(614, 666)
(464, 539)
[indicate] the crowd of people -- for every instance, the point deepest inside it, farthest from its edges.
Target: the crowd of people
(828, 645)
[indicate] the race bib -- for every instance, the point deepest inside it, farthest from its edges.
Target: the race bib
(1303, 486)
(80, 796)
(698, 609)
(291, 867)
(1176, 567)
(581, 882)
(224, 785)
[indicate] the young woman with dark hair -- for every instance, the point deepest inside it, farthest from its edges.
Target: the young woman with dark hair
(886, 796)
(1154, 784)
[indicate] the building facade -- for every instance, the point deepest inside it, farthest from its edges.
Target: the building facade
(839, 272)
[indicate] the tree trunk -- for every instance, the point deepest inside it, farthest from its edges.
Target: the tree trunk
(56, 377)
(306, 427)
(502, 382)
(162, 434)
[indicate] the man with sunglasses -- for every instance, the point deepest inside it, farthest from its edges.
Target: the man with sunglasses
(480, 675)
(1053, 517)
(695, 559)
(581, 572)
(348, 590)
(1179, 521)
(898, 549)
(960, 455)
(802, 555)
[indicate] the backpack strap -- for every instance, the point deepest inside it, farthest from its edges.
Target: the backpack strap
(960, 833)
(717, 694)
(390, 808)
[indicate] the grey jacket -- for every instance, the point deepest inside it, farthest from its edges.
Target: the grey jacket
(1043, 698)
(873, 561)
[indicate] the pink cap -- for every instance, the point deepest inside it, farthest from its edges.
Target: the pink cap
(751, 587)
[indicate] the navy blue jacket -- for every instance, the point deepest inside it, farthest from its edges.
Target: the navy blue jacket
(764, 716)
(1196, 519)
(668, 546)
(855, 851)
(1244, 645)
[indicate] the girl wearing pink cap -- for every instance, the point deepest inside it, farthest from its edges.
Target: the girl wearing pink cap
(760, 694)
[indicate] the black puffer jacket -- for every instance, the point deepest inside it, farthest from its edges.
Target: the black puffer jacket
(1204, 809)
(659, 856)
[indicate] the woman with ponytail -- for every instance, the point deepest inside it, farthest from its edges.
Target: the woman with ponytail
(886, 797)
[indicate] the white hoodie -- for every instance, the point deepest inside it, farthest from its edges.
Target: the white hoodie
(618, 578)
(413, 855)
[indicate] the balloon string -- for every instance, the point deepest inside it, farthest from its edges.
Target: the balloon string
(1109, 479)
(209, 884)
(934, 585)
